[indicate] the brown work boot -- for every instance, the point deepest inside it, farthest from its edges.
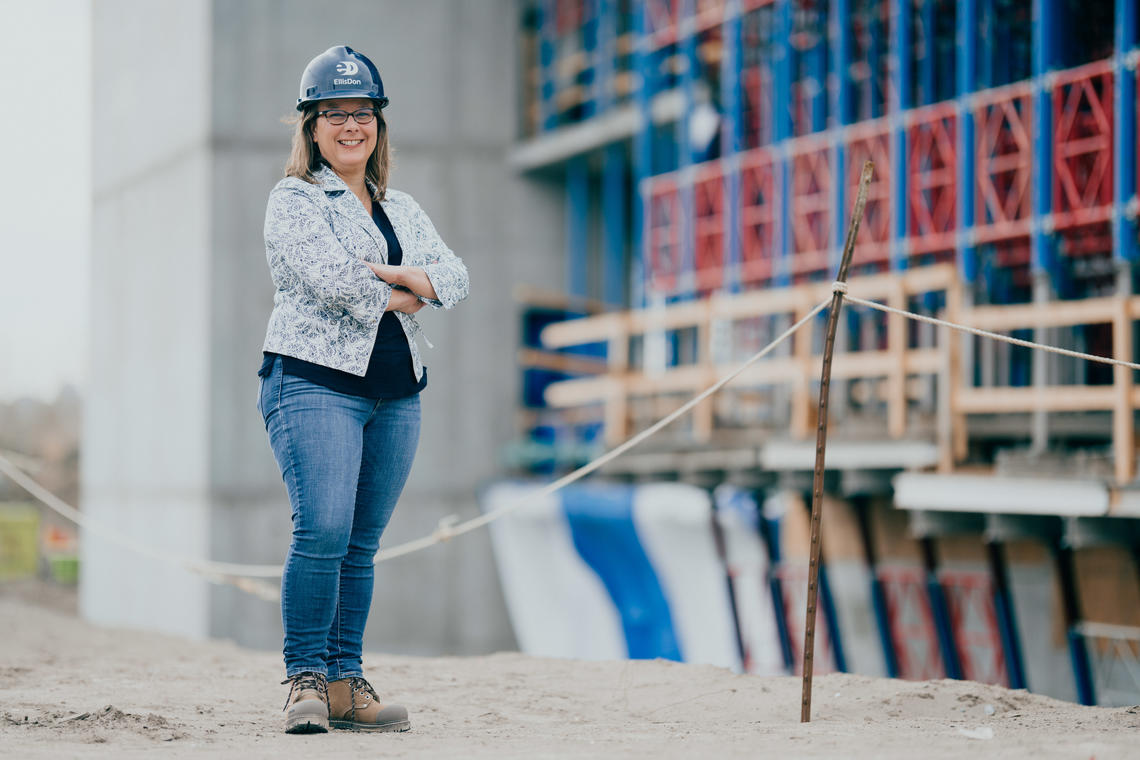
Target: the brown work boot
(307, 706)
(353, 704)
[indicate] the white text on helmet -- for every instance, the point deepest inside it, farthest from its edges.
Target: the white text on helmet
(346, 81)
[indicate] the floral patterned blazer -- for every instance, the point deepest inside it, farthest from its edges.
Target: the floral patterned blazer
(328, 304)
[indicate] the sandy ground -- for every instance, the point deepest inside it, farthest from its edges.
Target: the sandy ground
(70, 689)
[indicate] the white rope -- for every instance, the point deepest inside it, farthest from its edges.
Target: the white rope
(995, 336)
(242, 576)
(217, 572)
(586, 469)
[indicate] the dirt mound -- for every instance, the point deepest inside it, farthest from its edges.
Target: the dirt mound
(94, 726)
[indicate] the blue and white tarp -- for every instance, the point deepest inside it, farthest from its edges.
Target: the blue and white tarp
(611, 571)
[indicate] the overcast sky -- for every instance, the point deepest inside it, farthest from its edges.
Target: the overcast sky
(45, 195)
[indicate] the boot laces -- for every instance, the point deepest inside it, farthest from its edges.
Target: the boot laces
(360, 686)
(306, 680)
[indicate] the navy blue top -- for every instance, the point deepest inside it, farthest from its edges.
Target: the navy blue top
(389, 373)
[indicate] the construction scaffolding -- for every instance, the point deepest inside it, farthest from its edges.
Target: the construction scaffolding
(710, 150)
(1037, 128)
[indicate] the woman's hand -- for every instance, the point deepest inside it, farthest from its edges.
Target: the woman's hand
(405, 301)
(387, 272)
(412, 278)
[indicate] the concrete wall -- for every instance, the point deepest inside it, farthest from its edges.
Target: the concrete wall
(146, 440)
(174, 448)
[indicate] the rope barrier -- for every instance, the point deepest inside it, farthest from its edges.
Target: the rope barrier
(988, 334)
(215, 572)
(586, 469)
(244, 577)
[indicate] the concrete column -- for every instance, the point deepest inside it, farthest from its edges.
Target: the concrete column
(146, 455)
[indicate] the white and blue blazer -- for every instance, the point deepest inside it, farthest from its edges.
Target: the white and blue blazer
(328, 304)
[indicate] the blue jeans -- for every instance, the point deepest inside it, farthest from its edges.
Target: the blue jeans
(344, 460)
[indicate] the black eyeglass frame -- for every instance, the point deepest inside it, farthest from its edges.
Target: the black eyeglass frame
(373, 113)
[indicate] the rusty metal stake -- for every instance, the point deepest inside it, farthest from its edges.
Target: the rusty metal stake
(821, 439)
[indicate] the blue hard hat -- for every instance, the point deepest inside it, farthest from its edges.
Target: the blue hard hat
(341, 72)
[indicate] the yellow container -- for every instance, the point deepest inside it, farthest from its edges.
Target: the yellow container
(19, 540)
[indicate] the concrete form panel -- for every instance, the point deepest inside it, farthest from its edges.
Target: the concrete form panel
(485, 106)
(151, 87)
(262, 46)
(851, 589)
(1048, 668)
(119, 587)
(240, 299)
(244, 528)
(145, 443)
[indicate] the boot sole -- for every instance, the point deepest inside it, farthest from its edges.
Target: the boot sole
(348, 725)
(307, 727)
(308, 717)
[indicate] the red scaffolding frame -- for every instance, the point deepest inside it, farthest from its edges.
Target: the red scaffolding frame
(1004, 155)
(758, 216)
(1083, 135)
(708, 225)
(871, 141)
(664, 221)
(813, 202)
(1082, 145)
(932, 179)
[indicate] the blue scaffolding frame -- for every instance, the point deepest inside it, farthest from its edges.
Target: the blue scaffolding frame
(1124, 230)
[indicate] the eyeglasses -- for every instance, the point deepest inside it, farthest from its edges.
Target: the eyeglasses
(337, 117)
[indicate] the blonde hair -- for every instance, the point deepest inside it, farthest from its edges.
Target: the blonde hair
(305, 158)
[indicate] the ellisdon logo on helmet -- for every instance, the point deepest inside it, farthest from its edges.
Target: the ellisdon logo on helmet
(348, 68)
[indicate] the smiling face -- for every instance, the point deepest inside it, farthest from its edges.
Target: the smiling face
(346, 147)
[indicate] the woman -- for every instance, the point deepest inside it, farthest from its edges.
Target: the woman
(352, 261)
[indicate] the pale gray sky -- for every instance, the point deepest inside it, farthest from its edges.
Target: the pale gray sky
(45, 196)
